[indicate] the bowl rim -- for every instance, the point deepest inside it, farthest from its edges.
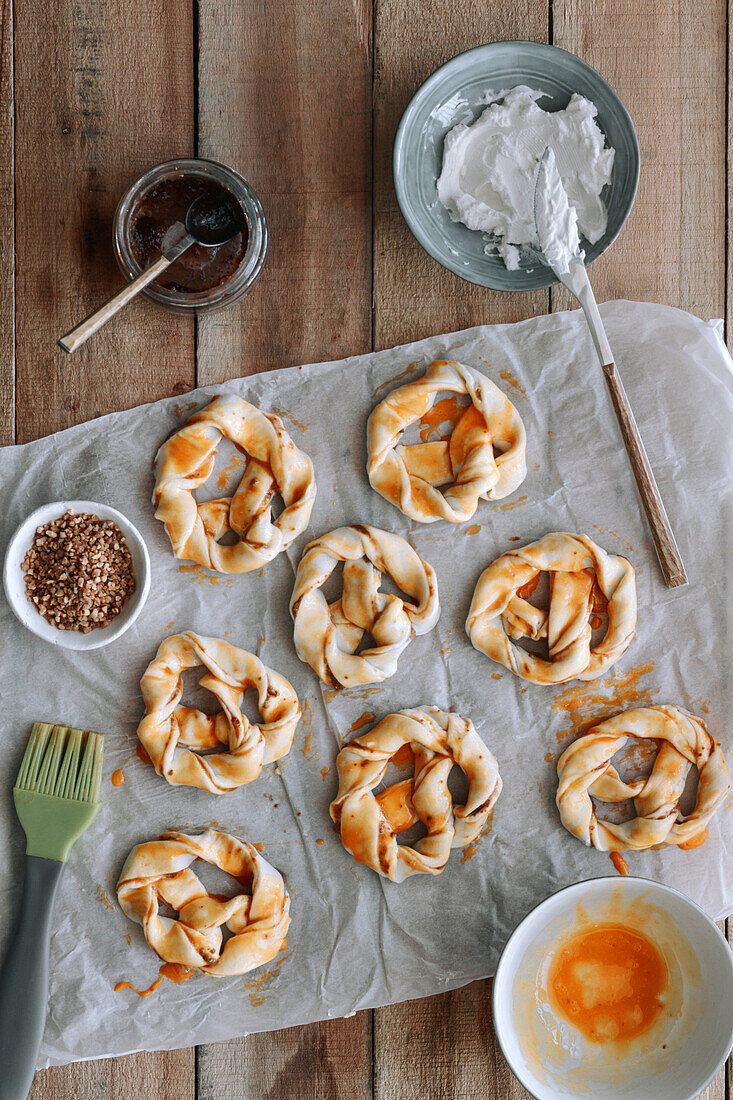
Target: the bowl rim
(615, 880)
(401, 191)
(72, 639)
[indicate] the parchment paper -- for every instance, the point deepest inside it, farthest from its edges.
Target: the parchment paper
(357, 940)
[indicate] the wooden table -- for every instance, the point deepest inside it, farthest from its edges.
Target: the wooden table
(303, 98)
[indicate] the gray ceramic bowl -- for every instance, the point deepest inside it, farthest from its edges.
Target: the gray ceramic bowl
(453, 94)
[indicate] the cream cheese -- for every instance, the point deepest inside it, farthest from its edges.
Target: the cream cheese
(489, 168)
(556, 220)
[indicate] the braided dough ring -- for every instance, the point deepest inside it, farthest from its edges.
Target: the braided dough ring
(160, 870)
(585, 769)
(574, 563)
(171, 734)
(274, 465)
(409, 476)
(369, 825)
(328, 635)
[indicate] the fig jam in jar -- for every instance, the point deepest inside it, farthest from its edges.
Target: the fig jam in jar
(202, 279)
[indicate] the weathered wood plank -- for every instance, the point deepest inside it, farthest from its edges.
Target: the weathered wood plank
(413, 295)
(667, 62)
(441, 1047)
(327, 1061)
(169, 1075)
(672, 249)
(285, 98)
(102, 92)
(106, 95)
(7, 228)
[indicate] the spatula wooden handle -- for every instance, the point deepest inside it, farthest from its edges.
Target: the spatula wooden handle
(113, 305)
(664, 540)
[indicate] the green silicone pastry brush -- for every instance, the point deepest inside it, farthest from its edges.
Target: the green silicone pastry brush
(56, 796)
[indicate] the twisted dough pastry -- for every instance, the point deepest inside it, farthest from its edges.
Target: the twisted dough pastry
(409, 476)
(160, 870)
(585, 769)
(369, 825)
(274, 465)
(575, 563)
(328, 635)
(170, 733)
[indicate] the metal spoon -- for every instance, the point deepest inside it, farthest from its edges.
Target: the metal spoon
(209, 222)
(561, 252)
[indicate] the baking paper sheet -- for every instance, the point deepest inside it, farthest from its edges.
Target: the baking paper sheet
(357, 940)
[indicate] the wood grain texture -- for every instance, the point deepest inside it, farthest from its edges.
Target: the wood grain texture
(167, 1075)
(7, 227)
(325, 1061)
(666, 60)
(108, 94)
(102, 92)
(413, 296)
(285, 98)
(440, 1048)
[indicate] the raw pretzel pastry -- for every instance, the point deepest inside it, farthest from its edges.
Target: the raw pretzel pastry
(274, 465)
(369, 825)
(409, 476)
(585, 769)
(328, 635)
(171, 734)
(574, 563)
(160, 870)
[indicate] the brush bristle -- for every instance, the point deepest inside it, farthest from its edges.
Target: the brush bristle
(62, 762)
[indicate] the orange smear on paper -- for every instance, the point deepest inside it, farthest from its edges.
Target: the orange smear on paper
(176, 972)
(695, 841)
(396, 378)
(289, 416)
(619, 863)
(324, 773)
(320, 840)
(140, 992)
(103, 898)
(507, 376)
(470, 850)
(359, 724)
(608, 982)
(511, 504)
(307, 729)
(586, 706)
(473, 529)
(118, 777)
(255, 985)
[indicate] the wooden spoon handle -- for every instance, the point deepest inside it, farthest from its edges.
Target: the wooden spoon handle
(101, 316)
(664, 540)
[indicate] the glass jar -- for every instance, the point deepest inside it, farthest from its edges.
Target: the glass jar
(250, 267)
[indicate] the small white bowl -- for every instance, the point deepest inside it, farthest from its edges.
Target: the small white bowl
(14, 578)
(681, 1053)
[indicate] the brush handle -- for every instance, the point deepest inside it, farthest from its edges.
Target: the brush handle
(24, 979)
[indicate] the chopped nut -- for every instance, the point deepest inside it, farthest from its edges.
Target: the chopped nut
(79, 572)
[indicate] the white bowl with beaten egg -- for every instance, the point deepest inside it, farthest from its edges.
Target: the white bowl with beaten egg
(691, 1034)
